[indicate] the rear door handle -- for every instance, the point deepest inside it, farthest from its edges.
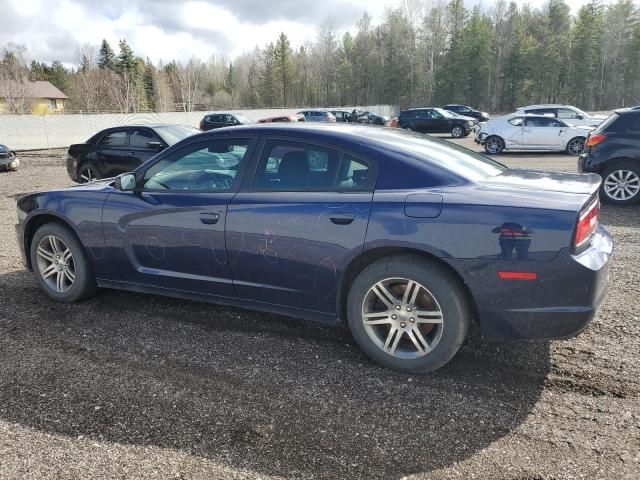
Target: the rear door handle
(130, 154)
(342, 219)
(209, 218)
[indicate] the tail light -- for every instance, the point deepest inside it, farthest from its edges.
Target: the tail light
(595, 139)
(587, 224)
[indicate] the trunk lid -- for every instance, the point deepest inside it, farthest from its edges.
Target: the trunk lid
(585, 184)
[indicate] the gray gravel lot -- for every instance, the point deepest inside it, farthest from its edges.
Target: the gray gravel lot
(136, 386)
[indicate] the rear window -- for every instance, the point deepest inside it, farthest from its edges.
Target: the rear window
(616, 123)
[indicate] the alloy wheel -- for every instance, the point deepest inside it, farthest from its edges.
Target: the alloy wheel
(576, 146)
(456, 132)
(55, 264)
(402, 318)
(622, 185)
(87, 175)
(493, 145)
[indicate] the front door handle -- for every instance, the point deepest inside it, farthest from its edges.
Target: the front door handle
(130, 154)
(342, 219)
(209, 218)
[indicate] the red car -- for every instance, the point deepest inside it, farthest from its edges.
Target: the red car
(283, 119)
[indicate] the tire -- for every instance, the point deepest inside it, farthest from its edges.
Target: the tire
(621, 184)
(87, 173)
(493, 145)
(68, 284)
(438, 291)
(575, 146)
(457, 131)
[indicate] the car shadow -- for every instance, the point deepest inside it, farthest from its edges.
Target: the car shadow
(253, 391)
(627, 216)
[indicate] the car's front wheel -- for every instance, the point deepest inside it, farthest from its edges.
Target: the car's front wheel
(457, 132)
(60, 264)
(408, 313)
(494, 144)
(575, 146)
(621, 184)
(87, 173)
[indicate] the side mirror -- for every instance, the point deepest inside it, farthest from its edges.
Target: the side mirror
(154, 145)
(126, 182)
(580, 117)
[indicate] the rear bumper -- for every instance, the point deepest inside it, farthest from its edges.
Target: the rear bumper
(560, 303)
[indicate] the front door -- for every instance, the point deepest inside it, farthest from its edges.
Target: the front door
(170, 232)
(290, 234)
(543, 132)
(111, 153)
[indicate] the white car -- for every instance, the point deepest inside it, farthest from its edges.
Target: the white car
(567, 113)
(530, 132)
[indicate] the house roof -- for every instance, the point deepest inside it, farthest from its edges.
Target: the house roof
(44, 89)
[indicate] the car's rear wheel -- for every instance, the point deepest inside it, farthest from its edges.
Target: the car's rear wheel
(408, 313)
(575, 146)
(457, 132)
(621, 184)
(87, 173)
(60, 264)
(494, 144)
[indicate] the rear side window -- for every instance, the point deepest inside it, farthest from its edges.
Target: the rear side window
(407, 115)
(295, 166)
(117, 138)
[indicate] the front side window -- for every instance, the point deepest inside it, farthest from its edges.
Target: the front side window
(567, 114)
(543, 122)
(423, 114)
(211, 165)
(117, 138)
(516, 122)
(139, 138)
(296, 166)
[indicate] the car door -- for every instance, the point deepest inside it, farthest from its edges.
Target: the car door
(543, 132)
(169, 232)
(110, 154)
(292, 229)
(143, 144)
(423, 121)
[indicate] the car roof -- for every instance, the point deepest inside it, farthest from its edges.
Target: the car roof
(152, 126)
(545, 105)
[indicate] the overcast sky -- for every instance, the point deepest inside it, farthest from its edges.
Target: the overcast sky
(174, 29)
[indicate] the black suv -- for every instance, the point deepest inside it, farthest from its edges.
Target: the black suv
(612, 150)
(467, 111)
(119, 150)
(223, 119)
(435, 120)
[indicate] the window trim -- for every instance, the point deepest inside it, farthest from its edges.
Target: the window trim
(146, 129)
(248, 186)
(237, 181)
(115, 130)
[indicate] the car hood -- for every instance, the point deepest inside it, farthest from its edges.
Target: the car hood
(96, 185)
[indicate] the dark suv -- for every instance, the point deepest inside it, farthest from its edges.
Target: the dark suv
(435, 120)
(467, 111)
(223, 119)
(613, 151)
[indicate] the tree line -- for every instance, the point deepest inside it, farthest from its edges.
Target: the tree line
(422, 52)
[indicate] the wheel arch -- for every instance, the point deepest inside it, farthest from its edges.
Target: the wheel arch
(38, 220)
(367, 257)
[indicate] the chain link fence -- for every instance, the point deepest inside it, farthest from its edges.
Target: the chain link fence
(34, 132)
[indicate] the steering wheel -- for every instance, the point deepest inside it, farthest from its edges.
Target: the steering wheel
(206, 180)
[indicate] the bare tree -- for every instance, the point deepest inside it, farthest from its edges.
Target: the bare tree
(14, 78)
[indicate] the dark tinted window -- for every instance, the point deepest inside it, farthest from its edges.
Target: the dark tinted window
(424, 114)
(138, 138)
(201, 166)
(116, 138)
(295, 166)
(407, 114)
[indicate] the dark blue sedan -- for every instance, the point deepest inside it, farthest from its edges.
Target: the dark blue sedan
(405, 238)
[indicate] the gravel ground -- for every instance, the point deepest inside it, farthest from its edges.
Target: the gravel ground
(136, 386)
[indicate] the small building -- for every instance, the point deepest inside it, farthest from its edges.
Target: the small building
(41, 97)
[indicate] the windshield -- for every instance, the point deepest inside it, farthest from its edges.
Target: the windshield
(459, 160)
(243, 119)
(445, 113)
(174, 133)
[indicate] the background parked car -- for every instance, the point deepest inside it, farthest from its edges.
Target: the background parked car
(121, 149)
(318, 116)
(8, 159)
(282, 119)
(467, 111)
(223, 119)
(435, 120)
(567, 113)
(613, 151)
(530, 132)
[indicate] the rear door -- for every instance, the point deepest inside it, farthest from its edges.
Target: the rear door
(292, 229)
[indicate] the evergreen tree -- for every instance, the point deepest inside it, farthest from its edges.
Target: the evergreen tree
(150, 85)
(282, 66)
(106, 56)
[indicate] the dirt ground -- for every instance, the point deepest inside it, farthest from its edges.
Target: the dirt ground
(136, 386)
